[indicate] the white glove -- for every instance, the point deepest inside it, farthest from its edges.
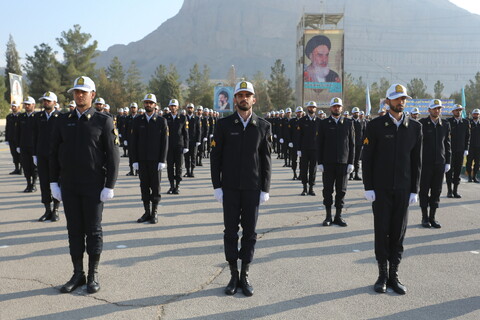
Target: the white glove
(56, 192)
(185, 150)
(211, 136)
(320, 168)
(18, 149)
(350, 168)
(264, 196)
(370, 195)
(119, 135)
(125, 143)
(281, 140)
(106, 194)
(35, 160)
(465, 153)
(275, 136)
(447, 167)
(197, 144)
(290, 144)
(6, 142)
(218, 194)
(204, 139)
(413, 198)
(135, 166)
(299, 153)
(161, 166)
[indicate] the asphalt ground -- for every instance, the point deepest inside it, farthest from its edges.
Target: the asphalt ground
(176, 269)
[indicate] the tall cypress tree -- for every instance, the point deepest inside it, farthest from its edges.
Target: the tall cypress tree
(279, 86)
(12, 66)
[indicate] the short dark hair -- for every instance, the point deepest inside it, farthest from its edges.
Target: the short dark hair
(315, 42)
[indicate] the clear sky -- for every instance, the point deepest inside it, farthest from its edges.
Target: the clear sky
(109, 22)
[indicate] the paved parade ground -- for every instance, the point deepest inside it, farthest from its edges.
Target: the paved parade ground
(176, 268)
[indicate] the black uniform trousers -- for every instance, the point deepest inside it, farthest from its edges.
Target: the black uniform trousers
(29, 168)
(14, 153)
(308, 166)
(286, 152)
(43, 175)
(431, 181)
(175, 163)
(356, 161)
(190, 156)
(473, 158)
(150, 178)
(390, 217)
(334, 175)
(240, 207)
(293, 159)
(83, 211)
(453, 175)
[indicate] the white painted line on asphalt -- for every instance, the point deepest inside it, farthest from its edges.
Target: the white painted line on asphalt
(121, 246)
(3, 247)
(474, 252)
(356, 250)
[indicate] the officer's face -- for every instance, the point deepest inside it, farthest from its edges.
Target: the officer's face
(336, 110)
(355, 115)
(414, 116)
(29, 107)
(149, 106)
(14, 109)
(319, 56)
(83, 99)
(475, 116)
(311, 110)
(173, 108)
(48, 105)
(99, 107)
(244, 100)
(199, 112)
(190, 111)
(397, 105)
(457, 113)
(299, 114)
(435, 112)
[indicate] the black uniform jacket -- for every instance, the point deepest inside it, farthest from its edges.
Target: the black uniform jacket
(42, 132)
(392, 157)
(84, 150)
(10, 128)
(460, 134)
(307, 133)
(336, 141)
(194, 129)
(149, 139)
(178, 130)
(474, 134)
(241, 157)
(24, 131)
(359, 126)
(436, 142)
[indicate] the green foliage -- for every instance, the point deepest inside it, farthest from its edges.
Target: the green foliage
(263, 104)
(279, 86)
(472, 93)
(134, 88)
(4, 104)
(355, 92)
(200, 90)
(417, 89)
(438, 89)
(165, 85)
(12, 65)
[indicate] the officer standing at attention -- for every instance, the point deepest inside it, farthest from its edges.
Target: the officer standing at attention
(307, 147)
(194, 138)
(128, 128)
(293, 140)
(203, 136)
(177, 145)
(474, 150)
(460, 143)
(24, 137)
(84, 161)
(392, 162)
(42, 135)
(241, 170)
(436, 158)
(10, 136)
(336, 152)
(415, 114)
(148, 147)
(359, 126)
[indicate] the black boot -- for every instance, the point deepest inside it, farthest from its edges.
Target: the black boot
(328, 220)
(29, 185)
(191, 173)
(154, 217)
(55, 216)
(455, 193)
(425, 222)
(17, 169)
(311, 192)
(449, 190)
(380, 285)
(176, 189)
(393, 281)
(338, 220)
(357, 177)
(474, 177)
(34, 184)
(247, 288)
(304, 192)
(232, 285)
(170, 191)
(294, 175)
(78, 278)
(48, 213)
(146, 215)
(432, 220)
(470, 178)
(187, 174)
(350, 177)
(93, 285)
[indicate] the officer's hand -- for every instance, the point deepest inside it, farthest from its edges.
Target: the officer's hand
(18, 149)
(106, 194)
(447, 168)
(161, 166)
(35, 160)
(320, 168)
(204, 139)
(413, 198)
(370, 195)
(350, 168)
(275, 136)
(6, 142)
(218, 194)
(197, 144)
(125, 143)
(56, 192)
(135, 166)
(299, 153)
(465, 153)
(264, 196)
(211, 136)
(185, 150)
(290, 144)
(281, 140)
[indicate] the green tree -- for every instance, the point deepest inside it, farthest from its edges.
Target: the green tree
(417, 89)
(134, 88)
(231, 77)
(279, 86)
(4, 105)
(438, 89)
(200, 90)
(355, 92)
(12, 65)
(114, 90)
(472, 92)
(263, 104)
(165, 84)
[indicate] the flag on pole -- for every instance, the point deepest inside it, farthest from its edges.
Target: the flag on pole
(368, 105)
(464, 104)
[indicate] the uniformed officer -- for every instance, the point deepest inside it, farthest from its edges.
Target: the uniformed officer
(177, 145)
(436, 158)
(194, 140)
(460, 143)
(293, 140)
(72, 105)
(99, 104)
(10, 136)
(121, 125)
(203, 136)
(148, 147)
(128, 128)
(474, 149)
(24, 137)
(392, 162)
(307, 144)
(84, 161)
(241, 172)
(359, 125)
(284, 136)
(336, 152)
(211, 128)
(415, 114)
(42, 130)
